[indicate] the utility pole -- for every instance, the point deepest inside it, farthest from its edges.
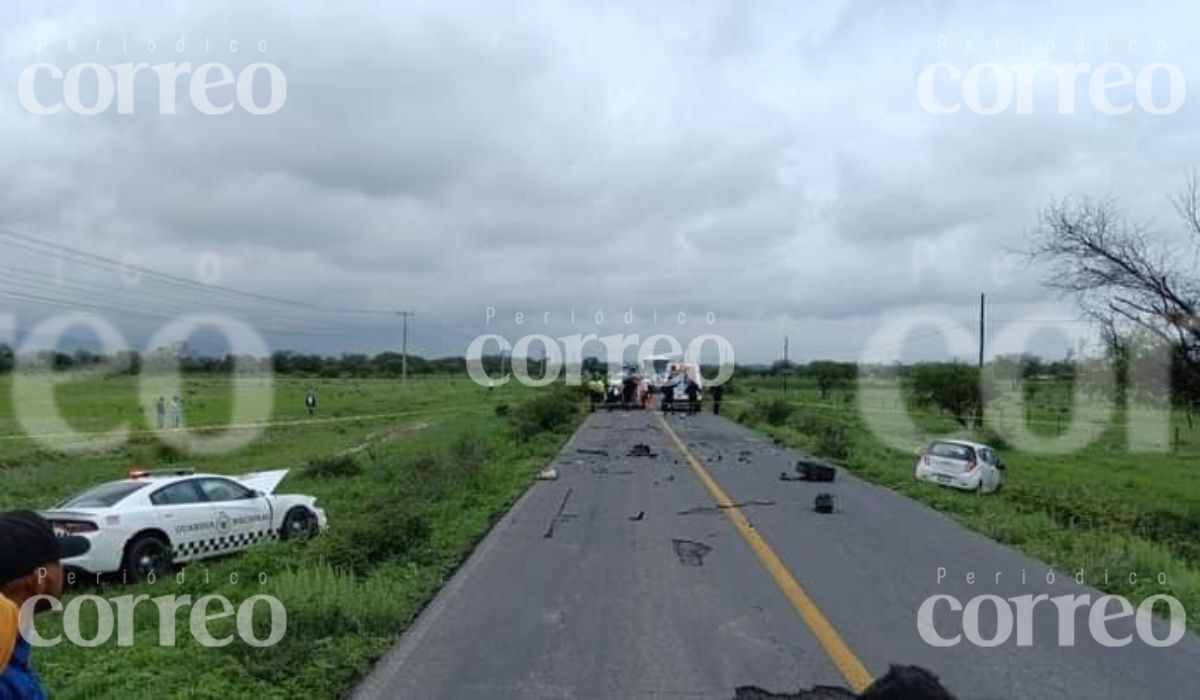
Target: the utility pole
(404, 351)
(982, 299)
(982, 302)
(786, 367)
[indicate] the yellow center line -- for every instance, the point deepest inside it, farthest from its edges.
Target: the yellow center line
(847, 663)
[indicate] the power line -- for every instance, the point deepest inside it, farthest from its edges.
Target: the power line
(36, 245)
(177, 295)
(70, 297)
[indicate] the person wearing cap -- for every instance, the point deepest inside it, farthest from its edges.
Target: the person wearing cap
(30, 566)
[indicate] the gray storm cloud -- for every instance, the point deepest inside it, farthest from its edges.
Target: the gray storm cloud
(768, 162)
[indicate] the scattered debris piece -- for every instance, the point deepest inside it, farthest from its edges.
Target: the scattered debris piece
(722, 506)
(820, 692)
(823, 503)
(548, 474)
(590, 451)
(744, 456)
(691, 553)
(899, 682)
(813, 470)
(614, 472)
(641, 450)
(560, 515)
(640, 516)
(784, 476)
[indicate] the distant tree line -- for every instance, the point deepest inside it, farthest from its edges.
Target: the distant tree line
(287, 363)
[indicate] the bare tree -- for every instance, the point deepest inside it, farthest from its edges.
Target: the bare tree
(1128, 281)
(1117, 273)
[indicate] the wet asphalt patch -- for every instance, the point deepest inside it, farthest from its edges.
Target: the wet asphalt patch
(691, 553)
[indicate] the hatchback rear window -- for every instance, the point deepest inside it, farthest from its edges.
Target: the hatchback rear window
(104, 496)
(951, 451)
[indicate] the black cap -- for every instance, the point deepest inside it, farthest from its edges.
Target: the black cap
(28, 542)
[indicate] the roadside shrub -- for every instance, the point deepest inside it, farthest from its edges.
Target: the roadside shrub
(167, 454)
(547, 412)
(336, 467)
(777, 411)
(359, 545)
(833, 441)
(427, 463)
(324, 602)
(468, 451)
(502, 410)
(828, 436)
(772, 411)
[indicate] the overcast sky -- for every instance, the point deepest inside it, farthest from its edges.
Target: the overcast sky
(768, 162)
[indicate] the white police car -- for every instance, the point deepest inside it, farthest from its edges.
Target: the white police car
(153, 520)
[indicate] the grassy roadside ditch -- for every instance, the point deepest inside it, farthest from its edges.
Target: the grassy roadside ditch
(404, 513)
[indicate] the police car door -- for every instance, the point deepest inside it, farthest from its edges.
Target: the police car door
(242, 517)
(187, 518)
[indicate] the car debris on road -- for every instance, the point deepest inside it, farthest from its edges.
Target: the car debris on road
(592, 451)
(641, 450)
(813, 470)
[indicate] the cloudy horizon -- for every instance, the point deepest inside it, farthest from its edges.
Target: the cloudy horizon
(770, 165)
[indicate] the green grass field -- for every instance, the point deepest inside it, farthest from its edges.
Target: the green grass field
(1102, 508)
(433, 465)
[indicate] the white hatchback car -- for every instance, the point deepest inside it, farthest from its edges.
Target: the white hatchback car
(153, 520)
(969, 466)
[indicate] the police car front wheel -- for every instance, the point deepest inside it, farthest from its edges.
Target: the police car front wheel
(300, 524)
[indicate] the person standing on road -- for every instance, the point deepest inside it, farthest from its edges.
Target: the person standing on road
(176, 412)
(668, 400)
(596, 391)
(693, 394)
(310, 402)
(30, 568)
(717, 392)
(160, 413)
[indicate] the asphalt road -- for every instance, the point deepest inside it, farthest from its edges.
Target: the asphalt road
(624, 578)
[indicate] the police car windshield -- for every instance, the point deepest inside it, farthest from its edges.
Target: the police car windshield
(104, 496)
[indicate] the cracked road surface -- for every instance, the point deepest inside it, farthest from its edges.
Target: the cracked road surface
(594, 586)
